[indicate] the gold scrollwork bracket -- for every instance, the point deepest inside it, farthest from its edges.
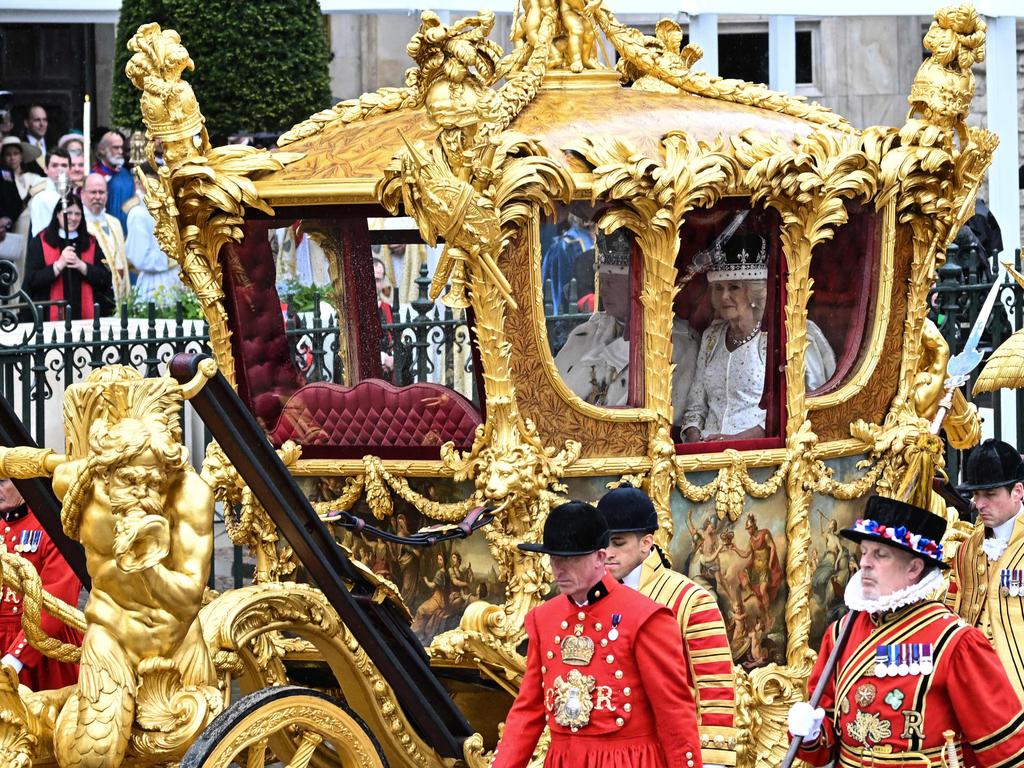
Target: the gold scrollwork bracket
(199, 196)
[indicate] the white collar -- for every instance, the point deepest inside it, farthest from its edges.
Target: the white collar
(632, 579)
(96, 217)
(1004, 530)
(915, 593)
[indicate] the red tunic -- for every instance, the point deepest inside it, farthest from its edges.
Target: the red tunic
(40, 672)
(882, 721)
(634, 704)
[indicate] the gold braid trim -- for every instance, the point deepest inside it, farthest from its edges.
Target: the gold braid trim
(19, 575)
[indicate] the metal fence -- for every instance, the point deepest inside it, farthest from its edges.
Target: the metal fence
(956, 300)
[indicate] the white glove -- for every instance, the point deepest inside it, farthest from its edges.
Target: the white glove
(13, 662)
(805, 721)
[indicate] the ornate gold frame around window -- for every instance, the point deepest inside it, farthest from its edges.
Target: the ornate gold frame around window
(471, 177)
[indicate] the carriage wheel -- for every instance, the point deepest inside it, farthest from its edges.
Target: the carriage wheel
(286, 725)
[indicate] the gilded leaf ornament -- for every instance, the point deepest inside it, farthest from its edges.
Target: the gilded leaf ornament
(199, 196)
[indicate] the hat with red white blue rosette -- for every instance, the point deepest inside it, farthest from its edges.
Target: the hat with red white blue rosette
(900, 525)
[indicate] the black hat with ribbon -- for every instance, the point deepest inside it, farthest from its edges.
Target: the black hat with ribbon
(903, 526)
(628, 510)
(993, 464)
(572, 529)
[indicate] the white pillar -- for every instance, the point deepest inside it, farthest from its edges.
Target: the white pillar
(704, 32)
(1004, 196)
(782, 53)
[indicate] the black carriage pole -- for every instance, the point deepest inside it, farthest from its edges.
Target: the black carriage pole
(378, 626)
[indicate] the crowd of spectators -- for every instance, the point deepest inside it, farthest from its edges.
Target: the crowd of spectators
(67, 227)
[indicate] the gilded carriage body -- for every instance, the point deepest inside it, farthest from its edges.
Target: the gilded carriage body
(496, 161)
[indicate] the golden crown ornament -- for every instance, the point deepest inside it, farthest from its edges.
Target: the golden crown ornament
(577, 649)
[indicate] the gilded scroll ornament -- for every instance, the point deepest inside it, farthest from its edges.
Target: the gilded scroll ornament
(144, 517)
(662, 59)
(199, 196)
(476, 186)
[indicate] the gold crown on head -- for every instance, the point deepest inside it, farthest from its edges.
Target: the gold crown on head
(577, 651)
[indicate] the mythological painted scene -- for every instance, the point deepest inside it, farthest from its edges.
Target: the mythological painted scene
(833, 558)
(436, 583)
(742, 563)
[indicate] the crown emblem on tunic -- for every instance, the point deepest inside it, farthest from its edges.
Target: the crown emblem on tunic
(577, 650)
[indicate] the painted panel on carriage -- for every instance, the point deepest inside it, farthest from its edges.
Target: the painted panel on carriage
(436, 583)
(742, 563)
(833, 558)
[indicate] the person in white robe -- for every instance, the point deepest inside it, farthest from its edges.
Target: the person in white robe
(594, 362)
(724, 402)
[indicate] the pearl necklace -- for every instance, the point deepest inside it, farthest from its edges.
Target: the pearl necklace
(737, 343)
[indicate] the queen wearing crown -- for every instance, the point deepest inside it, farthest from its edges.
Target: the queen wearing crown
(724, 401)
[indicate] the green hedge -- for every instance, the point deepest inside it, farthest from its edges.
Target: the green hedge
(260, 66)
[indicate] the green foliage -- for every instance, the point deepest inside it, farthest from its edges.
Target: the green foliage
(166, 301)
(259, 66)
(303, 297)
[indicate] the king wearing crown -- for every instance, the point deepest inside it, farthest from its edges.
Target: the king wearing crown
(605, 670)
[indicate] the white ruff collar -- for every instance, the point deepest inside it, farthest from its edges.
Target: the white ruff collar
(915, 593)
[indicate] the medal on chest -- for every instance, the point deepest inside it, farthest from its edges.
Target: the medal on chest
(573, 699)
(613, 633)
(903, 659)
(1011, 582)
(29, 541)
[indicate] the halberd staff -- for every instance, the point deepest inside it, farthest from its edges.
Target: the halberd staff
(605, 669)
(910, 670)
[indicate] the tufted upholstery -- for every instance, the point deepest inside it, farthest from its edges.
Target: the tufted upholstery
(332, 421)
(265, 372)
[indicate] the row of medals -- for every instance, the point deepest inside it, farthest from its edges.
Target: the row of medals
(903, 659)
(1011, 582)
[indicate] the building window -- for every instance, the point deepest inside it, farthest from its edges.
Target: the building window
(744, 56)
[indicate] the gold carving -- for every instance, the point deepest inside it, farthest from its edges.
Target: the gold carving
(144, 517)
(467, 178)
(573, 701)
(660, 58)
(200, 194)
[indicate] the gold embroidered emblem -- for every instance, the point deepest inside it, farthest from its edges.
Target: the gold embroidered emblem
(869, 728)
(573, 702)
(865, 695)
(577, 649)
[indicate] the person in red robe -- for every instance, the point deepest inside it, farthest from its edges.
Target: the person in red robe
(64, 263)
(21, 533)
(605, 670)
(913, 685)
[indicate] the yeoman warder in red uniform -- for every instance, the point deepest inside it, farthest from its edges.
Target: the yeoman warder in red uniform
(911, 670)
(605, 668)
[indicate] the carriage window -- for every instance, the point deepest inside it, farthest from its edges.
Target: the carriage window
(592, 315)
(349, 363)
(844, 271)
(729, 332)
(727, 327)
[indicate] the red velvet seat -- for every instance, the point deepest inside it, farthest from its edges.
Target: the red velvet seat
(375, 417)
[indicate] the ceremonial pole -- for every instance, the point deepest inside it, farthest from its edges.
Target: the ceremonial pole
(957, 372)
(87, 130)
